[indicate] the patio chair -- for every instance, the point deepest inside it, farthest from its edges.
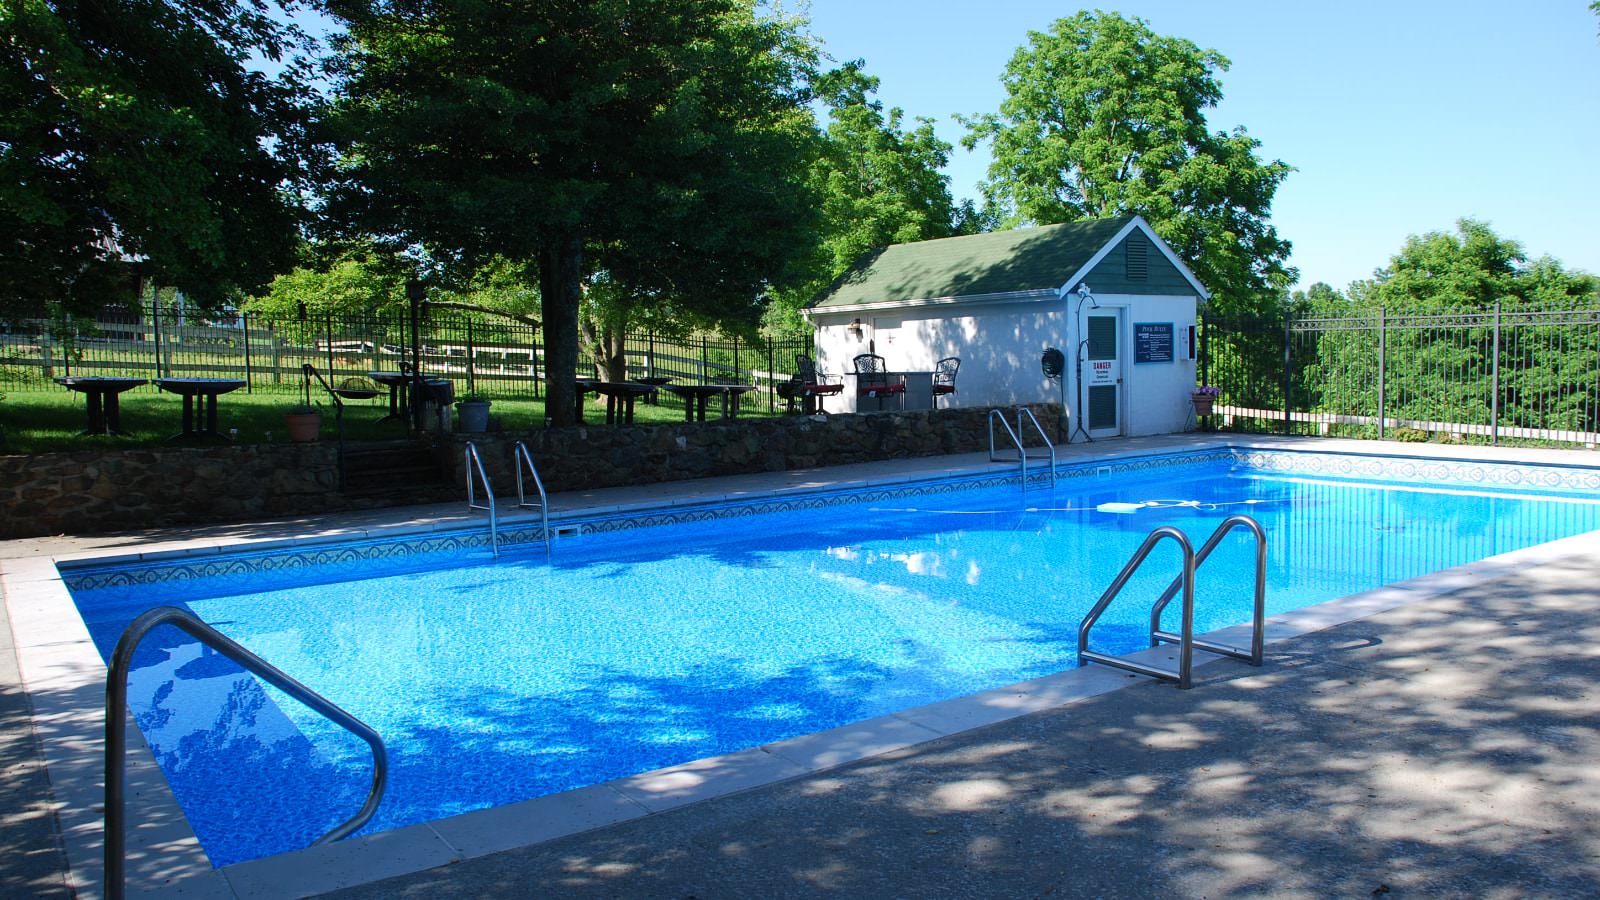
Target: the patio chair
(789, 391)
(814, 385)
(944, 377)
(873, 379)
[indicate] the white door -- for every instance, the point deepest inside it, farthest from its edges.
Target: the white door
(1102, 374)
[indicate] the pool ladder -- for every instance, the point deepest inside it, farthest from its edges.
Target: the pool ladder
(996, 415)
(1185, 638)
(117, 726)
(476, 474)
(524, 459)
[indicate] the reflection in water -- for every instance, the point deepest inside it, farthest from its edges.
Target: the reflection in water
(499, 681)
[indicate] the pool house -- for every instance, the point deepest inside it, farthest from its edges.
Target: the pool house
(1109, 294)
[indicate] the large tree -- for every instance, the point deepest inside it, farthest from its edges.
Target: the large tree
(1104, 117)
(146, 133)
(655, 143)
(1471, 269)
(878, 180)
(1436, 365)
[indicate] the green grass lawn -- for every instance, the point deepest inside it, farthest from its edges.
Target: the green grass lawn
(50, 420)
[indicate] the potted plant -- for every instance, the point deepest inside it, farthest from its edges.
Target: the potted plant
(1203, 398)
(304, 423)
(474, 413)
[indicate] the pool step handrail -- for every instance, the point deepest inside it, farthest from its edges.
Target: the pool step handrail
(1015, 434)
(1184, 583)
(998, 415)
(474, 466)
(1258, 619)
(1023, 411)
(523, 458)
(117, 724)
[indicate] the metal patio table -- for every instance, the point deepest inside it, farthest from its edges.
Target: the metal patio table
(100, 393)
(695, 397)
(202, 392)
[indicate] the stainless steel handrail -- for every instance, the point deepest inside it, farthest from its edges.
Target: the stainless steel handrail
(1258, 626)
(474, 463)
(996, 415)
(521, 455)
(1186, 635)
(1024, 411)
(116, 729)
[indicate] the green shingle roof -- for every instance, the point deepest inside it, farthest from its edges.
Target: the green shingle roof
(1000, 262)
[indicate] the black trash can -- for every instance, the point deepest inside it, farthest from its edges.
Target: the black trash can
(437, 396)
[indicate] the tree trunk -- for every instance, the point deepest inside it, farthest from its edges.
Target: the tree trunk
(561, 289)
(613, 354)
(606, 345)
(605, 336)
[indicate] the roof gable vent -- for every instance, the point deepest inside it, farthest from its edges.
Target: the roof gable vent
(1136, 253)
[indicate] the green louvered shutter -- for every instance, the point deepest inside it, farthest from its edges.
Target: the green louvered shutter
(1103, 406)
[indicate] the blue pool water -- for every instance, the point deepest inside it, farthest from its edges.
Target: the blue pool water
(498, 680)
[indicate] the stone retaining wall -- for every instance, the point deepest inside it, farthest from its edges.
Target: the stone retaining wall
(87, 491)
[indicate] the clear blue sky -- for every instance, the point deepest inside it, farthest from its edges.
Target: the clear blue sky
(1401, 116)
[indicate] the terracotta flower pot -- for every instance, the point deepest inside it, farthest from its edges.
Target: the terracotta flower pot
(303, 427)
(1202, 403)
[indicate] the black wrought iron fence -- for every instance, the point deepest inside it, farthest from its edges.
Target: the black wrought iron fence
(488, 356)
(1517, 374)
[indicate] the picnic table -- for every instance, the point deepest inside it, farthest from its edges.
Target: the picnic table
(620, 397)
(399, 385)
(201, 392)
(100, 395)
(696, 396)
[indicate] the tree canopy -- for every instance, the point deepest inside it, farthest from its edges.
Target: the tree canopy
(145, 133)
(1472, 268)
(1104, 117)
(661, 143)
(878, 181)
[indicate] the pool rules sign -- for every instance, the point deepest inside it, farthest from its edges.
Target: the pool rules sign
(1152, 342)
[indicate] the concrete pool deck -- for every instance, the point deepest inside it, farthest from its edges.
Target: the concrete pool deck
(1439, 743)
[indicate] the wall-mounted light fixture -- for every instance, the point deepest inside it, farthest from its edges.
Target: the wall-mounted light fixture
(855, 329)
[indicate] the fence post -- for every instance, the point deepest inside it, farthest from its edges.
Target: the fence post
(471, 371)
(174, 330)
(533, 358)
(704, 358)
(244, 319)
(1383, 356)
(772, 378)
(328, 326)
(1288, 372)
(1494, 383)
(155, 324)
(415, 294)
(650, 354)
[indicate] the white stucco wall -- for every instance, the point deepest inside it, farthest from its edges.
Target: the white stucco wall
(1000, 345)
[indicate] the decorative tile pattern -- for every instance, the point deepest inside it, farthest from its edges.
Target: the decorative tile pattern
(1423, 469)
(1340, 465)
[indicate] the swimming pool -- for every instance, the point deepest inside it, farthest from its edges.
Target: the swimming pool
(733, 626)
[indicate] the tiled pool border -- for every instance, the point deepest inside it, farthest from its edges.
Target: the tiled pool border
(66, 678)
(92, 575)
